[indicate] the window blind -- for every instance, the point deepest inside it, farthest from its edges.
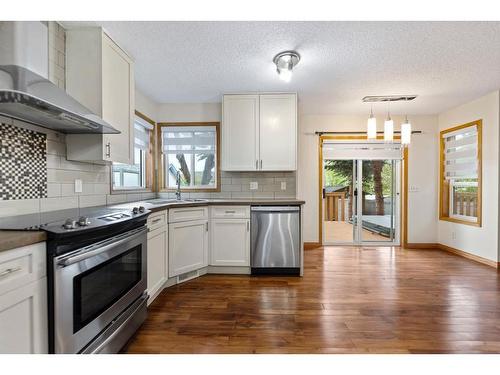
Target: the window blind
(354, 150)
(141, 133)
(189, 139)
(461, 154)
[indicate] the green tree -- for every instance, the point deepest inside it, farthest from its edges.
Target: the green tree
(375, 178)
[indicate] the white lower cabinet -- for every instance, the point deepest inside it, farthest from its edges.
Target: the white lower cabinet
(157, 262)
(23, 300)
(187, 246)
(157, 253)
(230, 242)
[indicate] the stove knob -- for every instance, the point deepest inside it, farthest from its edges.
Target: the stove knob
(83, 221)
(135, 210)
(69, 224)
(142, 209)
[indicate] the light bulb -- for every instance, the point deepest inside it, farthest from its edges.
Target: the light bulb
(285, 74)
(406, 132)
(388, 130)
(371, 127)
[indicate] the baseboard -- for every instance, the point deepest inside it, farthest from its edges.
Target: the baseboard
(423, 246)
(311, 245)
(452, 250)
(464, 254)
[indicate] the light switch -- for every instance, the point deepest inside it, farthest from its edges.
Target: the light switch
(254, 185)
(78, 186)
(283, 185)
(414, 189)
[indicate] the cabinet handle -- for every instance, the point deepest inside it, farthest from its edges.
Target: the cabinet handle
(260, 163)
(156, 220)
(248, 226)
(8, 271)
(108, 150)
(230, 212)
(256, 164)
(206, 226)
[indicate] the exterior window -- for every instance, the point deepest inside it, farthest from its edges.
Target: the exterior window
(136, 176)
(192, 151)
(460, 199)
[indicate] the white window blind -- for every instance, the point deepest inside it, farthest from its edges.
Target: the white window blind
(461, 154)
(189, 139)
(367, 150)
(141, 133)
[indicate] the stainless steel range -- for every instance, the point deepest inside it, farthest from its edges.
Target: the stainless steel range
(97, 281)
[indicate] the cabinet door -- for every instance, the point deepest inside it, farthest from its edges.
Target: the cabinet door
(240, 132)
(23, 319)
(230, 242)
(187, 246)
(117, 101)
(278, 132)
(157, 261)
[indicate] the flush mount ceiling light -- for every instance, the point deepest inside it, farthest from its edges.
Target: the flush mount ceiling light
(285, 62)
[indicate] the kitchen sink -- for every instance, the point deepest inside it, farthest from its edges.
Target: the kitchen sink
(157, 202)
(162, 201)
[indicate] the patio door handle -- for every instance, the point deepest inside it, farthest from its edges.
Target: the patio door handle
(323, 193)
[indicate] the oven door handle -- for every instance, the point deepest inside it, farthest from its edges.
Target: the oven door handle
(97, 249)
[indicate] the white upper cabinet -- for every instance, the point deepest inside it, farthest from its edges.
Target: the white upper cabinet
(240, 132)
(100, 75)
(278, 132)
(259, 132)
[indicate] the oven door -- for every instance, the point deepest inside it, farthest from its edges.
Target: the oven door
(93, 285)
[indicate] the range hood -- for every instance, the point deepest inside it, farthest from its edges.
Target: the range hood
(26, 93)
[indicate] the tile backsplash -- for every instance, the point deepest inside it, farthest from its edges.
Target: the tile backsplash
(60, 180)
(236, 185)
(23, 163)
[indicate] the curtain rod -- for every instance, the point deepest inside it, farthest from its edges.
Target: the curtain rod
(361, 132)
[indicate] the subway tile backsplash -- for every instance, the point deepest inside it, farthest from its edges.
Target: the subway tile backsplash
(236, 185)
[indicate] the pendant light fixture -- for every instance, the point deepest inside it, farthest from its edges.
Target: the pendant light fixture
(285, 62)
(371, 126)
(406, 132)
(388, 126)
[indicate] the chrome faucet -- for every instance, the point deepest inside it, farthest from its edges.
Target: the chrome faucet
(178, 181)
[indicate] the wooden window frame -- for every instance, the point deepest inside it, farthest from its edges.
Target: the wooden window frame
(444, 185)
(159, 157)
(149, 173)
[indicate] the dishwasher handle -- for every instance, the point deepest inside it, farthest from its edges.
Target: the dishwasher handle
(275, 208)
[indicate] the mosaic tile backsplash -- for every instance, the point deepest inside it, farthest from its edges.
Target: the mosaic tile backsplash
(23, 163)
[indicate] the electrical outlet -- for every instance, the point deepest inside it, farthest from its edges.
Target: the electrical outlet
(283, 185)
(254, 185)
(453, 235)
(78, 186)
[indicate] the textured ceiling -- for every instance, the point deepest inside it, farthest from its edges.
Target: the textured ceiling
(444, 63)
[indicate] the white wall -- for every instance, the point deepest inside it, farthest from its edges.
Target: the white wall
(145, 105)
(478, 241)
(189, 112)
(423, 170)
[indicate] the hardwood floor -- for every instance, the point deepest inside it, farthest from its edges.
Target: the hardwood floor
(350, 300)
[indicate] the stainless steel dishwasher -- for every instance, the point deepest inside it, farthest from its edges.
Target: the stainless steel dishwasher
(275, 240)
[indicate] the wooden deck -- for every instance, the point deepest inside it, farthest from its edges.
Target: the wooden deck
(341, 231)
(350, 300)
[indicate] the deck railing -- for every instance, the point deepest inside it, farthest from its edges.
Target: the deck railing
(465, 203)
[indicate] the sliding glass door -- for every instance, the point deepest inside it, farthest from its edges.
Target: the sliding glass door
(361, 199)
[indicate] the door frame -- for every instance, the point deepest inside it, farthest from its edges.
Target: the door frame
(403, 227)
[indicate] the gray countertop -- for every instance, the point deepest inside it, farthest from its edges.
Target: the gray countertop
(17, 238)
(172, 203)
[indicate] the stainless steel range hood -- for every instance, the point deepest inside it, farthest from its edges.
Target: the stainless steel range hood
(28, 95)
